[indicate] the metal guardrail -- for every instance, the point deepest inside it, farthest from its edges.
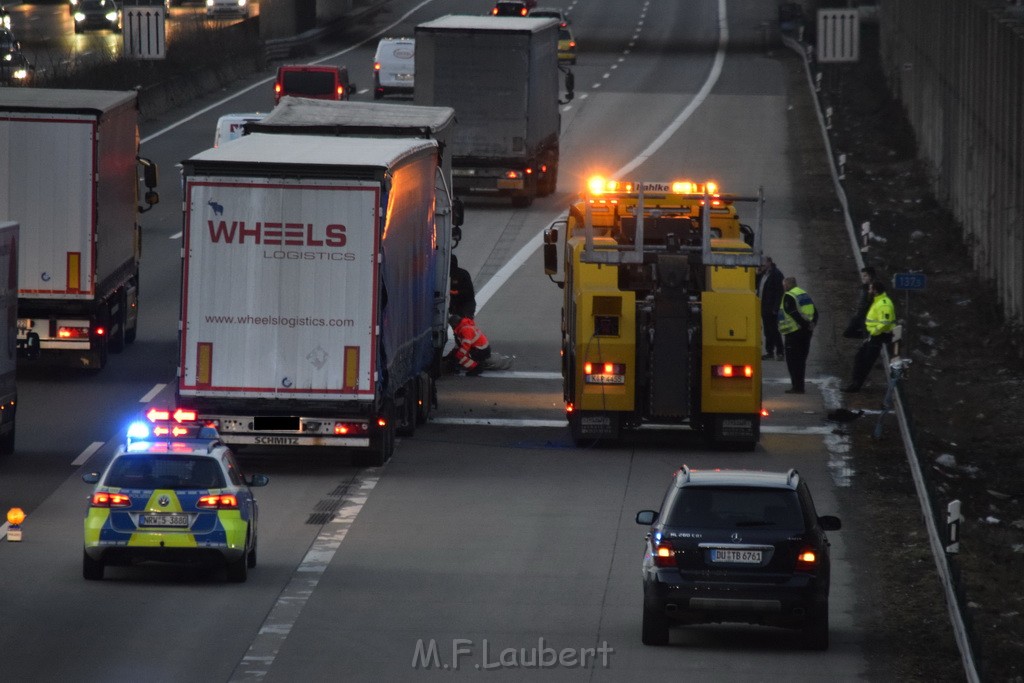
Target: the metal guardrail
(935, 541)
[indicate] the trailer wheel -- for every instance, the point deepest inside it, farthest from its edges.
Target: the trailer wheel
(131, 311)
(118, 318)
(424, 397)
(407, 423)
(382, 443)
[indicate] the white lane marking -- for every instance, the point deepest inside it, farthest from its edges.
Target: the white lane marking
(86, 454)
(3, 531)
(264, 82)
(151, 394)
(255, 665)
(175, 236)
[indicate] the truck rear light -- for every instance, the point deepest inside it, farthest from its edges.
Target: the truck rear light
(105, 499)
(65, 332)
(376, 66)
(604, 373)
(341, 91)
(730, 371)
(345, 428)
(218, 501)
(513, 174)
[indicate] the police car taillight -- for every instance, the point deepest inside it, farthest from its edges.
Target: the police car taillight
(218, 501)
(105, 499)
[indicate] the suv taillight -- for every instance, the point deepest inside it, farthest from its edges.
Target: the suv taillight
(664, 555)
(807, 559)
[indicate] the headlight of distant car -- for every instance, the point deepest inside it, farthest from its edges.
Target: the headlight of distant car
(241, 3)
(20, 74)
(79, 16)
(112, 16)
(209, 3)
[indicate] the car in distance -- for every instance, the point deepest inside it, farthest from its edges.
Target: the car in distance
(172, 493)
(510, 8)
(566, 46)
(316, 82)
(737, 546)
(97, 14)
(15, 69)
(394, 67)
(5, 18)
(216, 8)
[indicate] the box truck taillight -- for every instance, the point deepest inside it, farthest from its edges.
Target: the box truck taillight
(350, 428)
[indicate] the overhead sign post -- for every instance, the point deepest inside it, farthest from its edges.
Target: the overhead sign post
(144, 29)
(838, 37)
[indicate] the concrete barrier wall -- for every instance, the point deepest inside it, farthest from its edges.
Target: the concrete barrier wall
(958, 68)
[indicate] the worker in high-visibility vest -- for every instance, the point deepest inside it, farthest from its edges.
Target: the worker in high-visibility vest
(471, 345)
(797, 318)
(879, 323)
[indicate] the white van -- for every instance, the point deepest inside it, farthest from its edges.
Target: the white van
(394, 67)
(231, 126)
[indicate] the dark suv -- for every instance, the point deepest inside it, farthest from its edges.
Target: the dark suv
(737, 546)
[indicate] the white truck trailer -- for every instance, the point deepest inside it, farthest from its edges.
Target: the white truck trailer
(304, 116)
(69, 176)
(308, 272)
(501, 76)
(8, 348)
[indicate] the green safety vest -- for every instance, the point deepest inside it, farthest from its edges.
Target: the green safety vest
(803, 304)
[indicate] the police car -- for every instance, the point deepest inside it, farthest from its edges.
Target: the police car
(172, 493)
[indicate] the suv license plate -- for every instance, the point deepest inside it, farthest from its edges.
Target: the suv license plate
(163, 520)
(742, 556)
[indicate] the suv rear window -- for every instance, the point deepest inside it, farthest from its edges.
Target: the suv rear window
(736, 508)
(308, 83)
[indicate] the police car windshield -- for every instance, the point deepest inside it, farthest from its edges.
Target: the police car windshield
(164, 472)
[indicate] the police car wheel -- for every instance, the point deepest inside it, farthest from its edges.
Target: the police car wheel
(251, 557)
(92, 569)
(238, 570)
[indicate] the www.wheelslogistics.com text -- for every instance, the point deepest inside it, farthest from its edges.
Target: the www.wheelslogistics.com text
(483, 655)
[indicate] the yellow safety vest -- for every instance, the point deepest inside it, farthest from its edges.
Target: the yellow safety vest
(804, 306)
(881, 317)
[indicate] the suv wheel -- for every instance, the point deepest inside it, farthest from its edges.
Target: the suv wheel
(815, 629)
(655, 628)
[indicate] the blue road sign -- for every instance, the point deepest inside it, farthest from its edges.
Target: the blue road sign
(909, 281)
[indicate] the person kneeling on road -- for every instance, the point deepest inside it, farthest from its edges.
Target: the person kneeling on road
(471, 346)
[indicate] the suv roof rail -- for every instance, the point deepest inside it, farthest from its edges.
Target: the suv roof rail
(685, 471)
(791, 475)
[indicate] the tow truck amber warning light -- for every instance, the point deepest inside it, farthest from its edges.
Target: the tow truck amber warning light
(599, 185)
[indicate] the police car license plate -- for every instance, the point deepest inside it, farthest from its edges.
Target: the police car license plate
(742, 556)
(163, 519)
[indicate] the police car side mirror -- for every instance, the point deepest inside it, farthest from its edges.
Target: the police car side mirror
(258, 480)
(91, 477)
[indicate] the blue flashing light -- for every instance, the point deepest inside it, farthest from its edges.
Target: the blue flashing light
(138, 430)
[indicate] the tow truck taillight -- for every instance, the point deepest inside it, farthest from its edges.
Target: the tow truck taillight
(730, 371)
(604, 373)
(105, 499)
(218, 501)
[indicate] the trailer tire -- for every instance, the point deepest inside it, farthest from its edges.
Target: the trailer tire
(130, 303)
(382, 443)
(521, 201)
(424, 397)
(407, 424)
(118, 318)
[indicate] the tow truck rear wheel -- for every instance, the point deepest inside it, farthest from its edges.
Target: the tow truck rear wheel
(92, 569)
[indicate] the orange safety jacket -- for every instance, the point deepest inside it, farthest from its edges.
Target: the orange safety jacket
(471, 344)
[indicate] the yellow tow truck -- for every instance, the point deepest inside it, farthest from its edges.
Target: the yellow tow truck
(661, 323)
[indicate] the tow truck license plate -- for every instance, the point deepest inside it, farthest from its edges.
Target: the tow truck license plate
(743, 556)
(163, 519)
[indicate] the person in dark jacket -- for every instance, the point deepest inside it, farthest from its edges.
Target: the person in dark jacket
(769, 290)
(462, 296)
(855, 328)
